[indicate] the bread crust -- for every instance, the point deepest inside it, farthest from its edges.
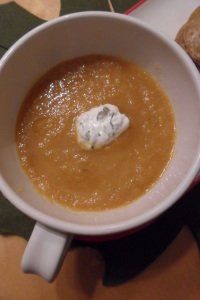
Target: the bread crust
(188, 37)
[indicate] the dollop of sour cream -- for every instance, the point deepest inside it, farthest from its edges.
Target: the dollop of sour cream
(99, 126)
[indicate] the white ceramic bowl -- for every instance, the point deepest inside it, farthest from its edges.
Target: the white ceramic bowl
(103, 33)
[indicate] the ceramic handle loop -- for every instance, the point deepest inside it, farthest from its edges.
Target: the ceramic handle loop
(45, 251)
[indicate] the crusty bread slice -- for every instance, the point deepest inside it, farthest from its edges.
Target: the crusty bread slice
(188, 36)
(195, 14)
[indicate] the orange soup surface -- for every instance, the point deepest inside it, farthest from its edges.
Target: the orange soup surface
(118, 173)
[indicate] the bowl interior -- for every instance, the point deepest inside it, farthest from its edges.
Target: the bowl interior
(100, 33)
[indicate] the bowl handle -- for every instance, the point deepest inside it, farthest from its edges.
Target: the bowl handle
(45, 251)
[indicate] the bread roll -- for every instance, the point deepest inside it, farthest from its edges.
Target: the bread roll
(188, 36)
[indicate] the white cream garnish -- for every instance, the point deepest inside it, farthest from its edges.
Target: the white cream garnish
(100, 125)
